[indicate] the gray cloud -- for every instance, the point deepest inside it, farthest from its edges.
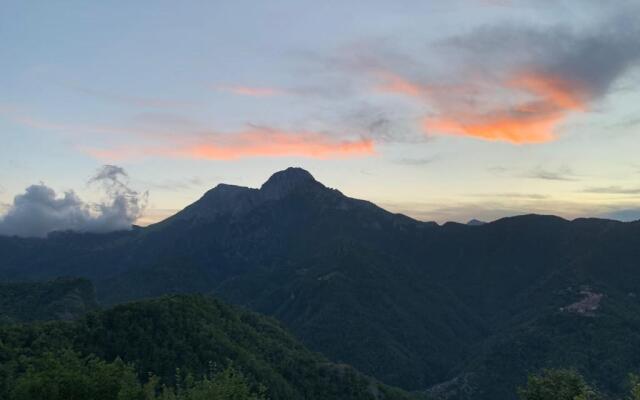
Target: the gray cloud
(39, 210)
(177, 185)
(592, 59)
(509, 81)
(560, 174)
(110, 175)
(612, 190)
(627, 123)
(498, 169)
(382, 123)
(415, 161)
(513, 195)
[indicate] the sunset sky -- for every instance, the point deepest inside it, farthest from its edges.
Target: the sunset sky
(442, 110)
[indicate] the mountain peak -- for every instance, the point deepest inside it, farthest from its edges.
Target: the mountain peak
(283, 182)
(236, 200)
(291, 174)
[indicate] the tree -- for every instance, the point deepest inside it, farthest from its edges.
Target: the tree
(227, 385)
(65, 375)
(634, 382)
(557, 384)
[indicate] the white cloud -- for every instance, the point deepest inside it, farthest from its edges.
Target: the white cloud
(39, 210)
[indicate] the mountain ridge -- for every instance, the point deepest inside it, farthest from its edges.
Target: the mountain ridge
(233, 200)
(412, 303)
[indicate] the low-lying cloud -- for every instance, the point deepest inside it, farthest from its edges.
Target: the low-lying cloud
(39, 210)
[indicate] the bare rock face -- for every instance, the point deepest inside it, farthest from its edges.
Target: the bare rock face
(588, 305)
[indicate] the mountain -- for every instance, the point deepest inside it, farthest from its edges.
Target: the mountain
(235, 201)
(195, 334)
(59, 299)
(414, 304)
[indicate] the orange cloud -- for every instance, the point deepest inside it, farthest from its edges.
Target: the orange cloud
(562, 93)
(542, 103)
(259, 142)
(396, 84)
(526, 107)
(252, 91)
(186, 139)
(517, 128)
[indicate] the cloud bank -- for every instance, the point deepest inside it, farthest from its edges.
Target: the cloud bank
(39, 210)
(515, 83)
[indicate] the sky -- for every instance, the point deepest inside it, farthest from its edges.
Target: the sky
(442, 110)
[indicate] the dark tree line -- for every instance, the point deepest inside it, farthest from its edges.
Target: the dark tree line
(567, 384)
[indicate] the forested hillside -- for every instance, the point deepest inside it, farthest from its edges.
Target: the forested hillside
(181, 342)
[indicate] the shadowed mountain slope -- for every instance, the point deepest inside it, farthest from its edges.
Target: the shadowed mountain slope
(60, 299)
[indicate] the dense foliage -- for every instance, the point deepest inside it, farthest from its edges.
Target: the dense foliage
(557, 385)
(568, 384)
(189, 344)
(65, 375)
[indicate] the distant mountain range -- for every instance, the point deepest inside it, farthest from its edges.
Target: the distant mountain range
(460, 310)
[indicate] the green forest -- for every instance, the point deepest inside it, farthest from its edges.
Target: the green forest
(174, 347)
